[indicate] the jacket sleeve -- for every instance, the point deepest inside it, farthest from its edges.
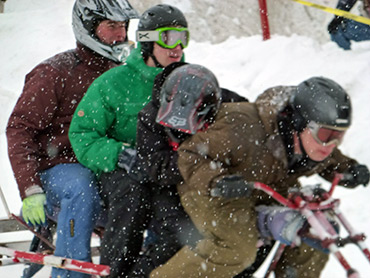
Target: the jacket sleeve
(88, 131)
(338, 163)
(154, 150)
(32, 115)
(210, 155)
(346, 5)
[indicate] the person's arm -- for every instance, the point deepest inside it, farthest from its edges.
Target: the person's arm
(31, 116)
(154, 150)
(354, 173)
(207, 157)
(88, 131)
(346, 5)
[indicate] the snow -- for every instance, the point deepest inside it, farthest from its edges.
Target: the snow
(32, 31)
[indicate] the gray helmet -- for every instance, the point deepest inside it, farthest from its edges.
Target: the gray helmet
(161, 15)
(87, 14)
(323, 101)
(189, 98)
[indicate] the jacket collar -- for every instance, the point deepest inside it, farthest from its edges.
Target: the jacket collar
(93, 59)
(269, 104)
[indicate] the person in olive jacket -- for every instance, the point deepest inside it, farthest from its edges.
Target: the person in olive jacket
(44, 164)
(103, 131)
(287, 133)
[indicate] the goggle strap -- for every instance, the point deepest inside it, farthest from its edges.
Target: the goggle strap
(147, 36)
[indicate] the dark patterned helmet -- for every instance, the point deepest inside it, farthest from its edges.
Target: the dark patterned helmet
(189, 98)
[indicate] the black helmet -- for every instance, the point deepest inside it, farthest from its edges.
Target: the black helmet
(322, 101)
(87, 14)
(190, 97)
(158, 16)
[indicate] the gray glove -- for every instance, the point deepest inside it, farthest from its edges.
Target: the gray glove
(280, 223)
(127, 159)
(233, 186)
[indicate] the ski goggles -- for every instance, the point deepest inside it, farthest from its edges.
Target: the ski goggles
(167, 37)
(325, 135)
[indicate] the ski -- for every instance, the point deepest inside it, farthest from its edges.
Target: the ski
(55, 261)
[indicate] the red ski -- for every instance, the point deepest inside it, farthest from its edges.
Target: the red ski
(55, 261)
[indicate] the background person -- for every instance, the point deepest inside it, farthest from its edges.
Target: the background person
(40, 153)
(343, 30)
(103, 131)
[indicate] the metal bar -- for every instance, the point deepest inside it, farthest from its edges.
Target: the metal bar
(2, 196)
(55, 261)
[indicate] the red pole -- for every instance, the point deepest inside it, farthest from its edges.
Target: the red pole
(264, 20)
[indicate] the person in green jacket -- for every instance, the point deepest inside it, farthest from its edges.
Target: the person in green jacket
(103, 131)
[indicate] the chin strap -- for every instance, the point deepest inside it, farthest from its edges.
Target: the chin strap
(157, 64)
(302, 160)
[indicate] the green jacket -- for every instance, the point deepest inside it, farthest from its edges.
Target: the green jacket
(104, 122)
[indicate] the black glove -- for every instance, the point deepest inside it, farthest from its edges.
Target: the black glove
(335, 23)
(127, 159)
(356, 175)
(233, 186)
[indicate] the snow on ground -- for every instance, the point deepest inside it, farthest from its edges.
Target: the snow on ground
(32, 31)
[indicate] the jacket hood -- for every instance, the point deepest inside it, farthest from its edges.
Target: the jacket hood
(270, 103)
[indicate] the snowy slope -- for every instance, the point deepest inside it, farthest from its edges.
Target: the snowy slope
(32, 31)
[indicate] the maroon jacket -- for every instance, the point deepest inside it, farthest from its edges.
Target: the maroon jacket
(37, 130)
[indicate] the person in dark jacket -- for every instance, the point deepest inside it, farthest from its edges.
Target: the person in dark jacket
(185, 100)
(287, 133)
(344, 30)
(44, 164)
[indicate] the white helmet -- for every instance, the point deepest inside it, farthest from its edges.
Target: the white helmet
(88, 13)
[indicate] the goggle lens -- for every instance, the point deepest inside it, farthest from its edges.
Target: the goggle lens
(326, 136)
(170, 38)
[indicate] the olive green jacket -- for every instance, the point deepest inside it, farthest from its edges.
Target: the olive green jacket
(245, 140)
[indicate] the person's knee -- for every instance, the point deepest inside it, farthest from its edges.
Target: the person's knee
(341, 40)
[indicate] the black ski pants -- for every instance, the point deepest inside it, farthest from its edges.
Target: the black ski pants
(174, 229)
(129, 211)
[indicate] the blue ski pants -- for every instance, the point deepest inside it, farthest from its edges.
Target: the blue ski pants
(72, 189)
(353, 31)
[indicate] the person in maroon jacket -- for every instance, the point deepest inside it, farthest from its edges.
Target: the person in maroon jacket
(46, 170)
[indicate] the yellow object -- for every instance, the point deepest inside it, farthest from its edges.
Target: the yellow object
(336, 12)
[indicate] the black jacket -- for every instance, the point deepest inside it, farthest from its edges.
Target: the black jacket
(153, 143)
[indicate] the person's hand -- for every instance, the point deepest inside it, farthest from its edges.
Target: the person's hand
(33, 211)
(127, 159)
(356, 175)
(232, 186)
(280, 223)
(335, 23)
